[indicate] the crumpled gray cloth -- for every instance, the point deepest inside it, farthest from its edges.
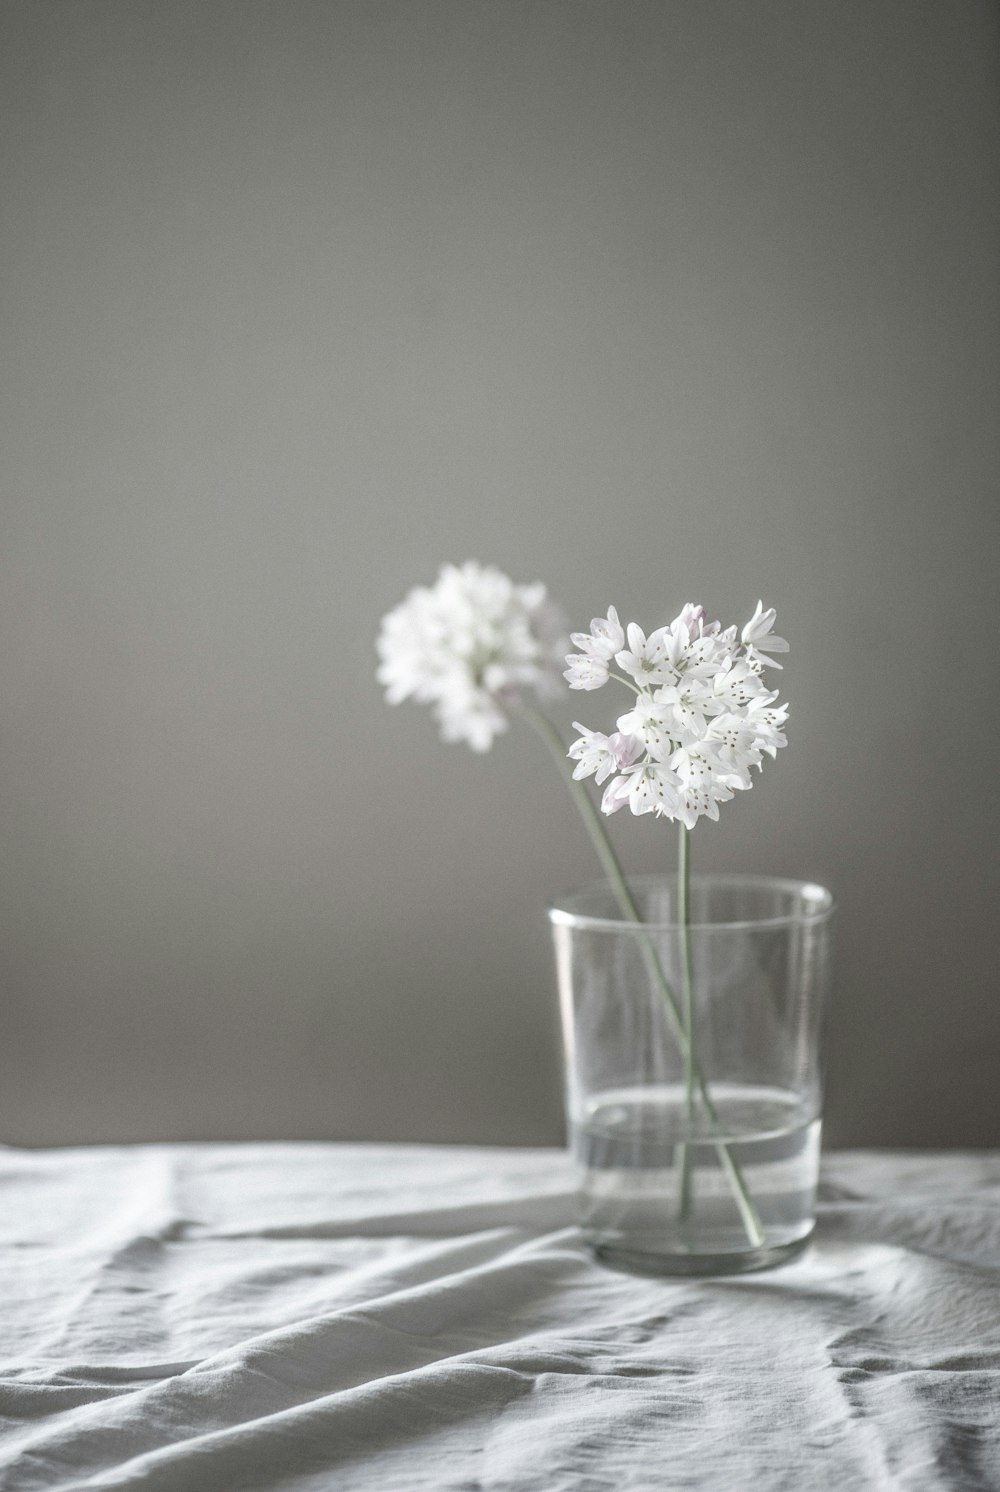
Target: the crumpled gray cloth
(311, 1317)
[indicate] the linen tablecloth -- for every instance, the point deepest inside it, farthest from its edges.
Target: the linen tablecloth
(310, 1317)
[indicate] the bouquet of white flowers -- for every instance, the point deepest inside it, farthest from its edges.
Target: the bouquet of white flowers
(472, 646)
(702, 718)
(478, 647)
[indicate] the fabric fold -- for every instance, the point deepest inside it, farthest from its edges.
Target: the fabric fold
(293, 1318)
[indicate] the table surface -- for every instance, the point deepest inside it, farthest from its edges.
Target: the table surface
(306, 1317)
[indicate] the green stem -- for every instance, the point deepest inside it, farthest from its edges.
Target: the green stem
(684, 1168)
(612, 867)
(687, 978)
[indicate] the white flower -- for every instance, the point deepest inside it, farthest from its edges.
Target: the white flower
(704, 782)
(702, 720)
(767, 722)
(696, 648)
(653, 723)
(601, 755)
(585, 671)
(646, 659)
(702, 800)
(471, 645)
(735, 685)
(736, 744)
(648, 787)
(588, 669)
(694, 765)
(691, 619)
(686, 706)
(758, 638)
(604, 639)
(615, 795)
(654, 789)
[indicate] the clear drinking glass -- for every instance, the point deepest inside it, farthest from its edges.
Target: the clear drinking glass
(693, 1088)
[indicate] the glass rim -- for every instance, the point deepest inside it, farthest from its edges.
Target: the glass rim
(815, 904)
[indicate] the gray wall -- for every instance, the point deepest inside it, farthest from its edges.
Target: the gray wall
(693, 299)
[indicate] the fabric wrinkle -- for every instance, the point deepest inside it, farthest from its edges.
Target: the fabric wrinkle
(292, 1318)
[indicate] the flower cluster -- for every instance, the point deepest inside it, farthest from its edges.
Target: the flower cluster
(472, 645)
(702, 718)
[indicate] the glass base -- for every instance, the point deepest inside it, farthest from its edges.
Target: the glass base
(655, 1199)
(735, 1261)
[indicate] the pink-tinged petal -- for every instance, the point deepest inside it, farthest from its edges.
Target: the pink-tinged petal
(691, 618)
(626, 749)
(613, 796)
